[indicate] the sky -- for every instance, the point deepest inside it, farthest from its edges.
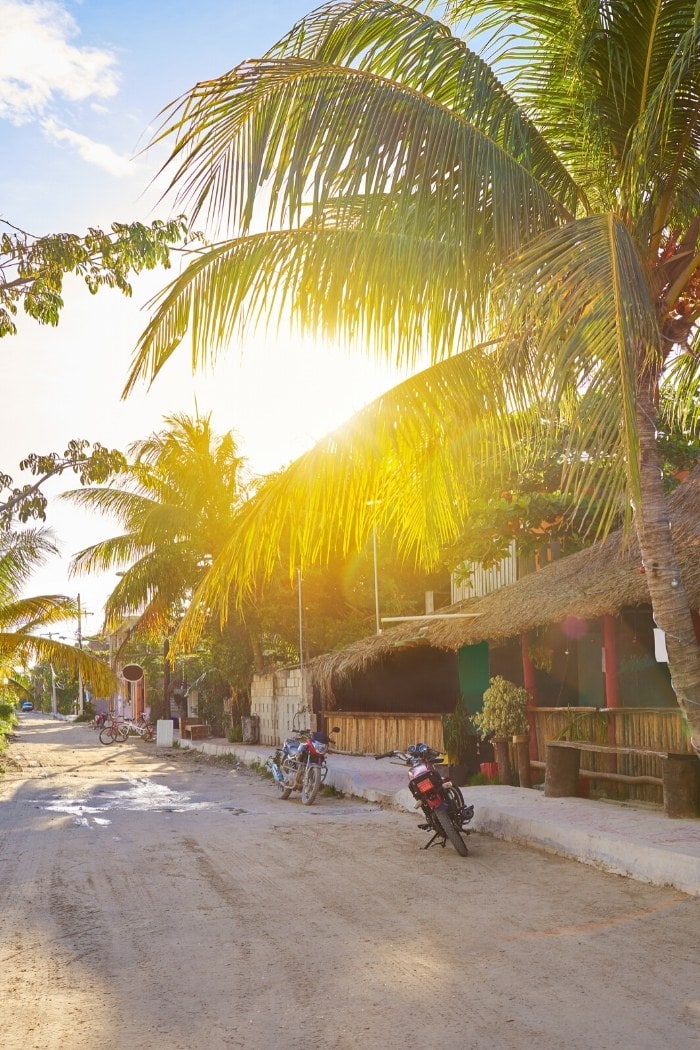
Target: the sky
(81, 85)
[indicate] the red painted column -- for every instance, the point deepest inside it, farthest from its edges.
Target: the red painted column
(529, 683)
(612, 696)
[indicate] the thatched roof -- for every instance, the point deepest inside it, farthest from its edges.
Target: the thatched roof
(603, 578)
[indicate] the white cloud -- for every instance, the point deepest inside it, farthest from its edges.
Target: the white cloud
(97, 153)
(38, 63)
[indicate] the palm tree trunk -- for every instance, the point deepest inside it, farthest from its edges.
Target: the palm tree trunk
(668, 596)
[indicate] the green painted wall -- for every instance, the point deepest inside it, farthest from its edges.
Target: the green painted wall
(473, 668)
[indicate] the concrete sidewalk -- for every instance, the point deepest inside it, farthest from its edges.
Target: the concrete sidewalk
(637, 841)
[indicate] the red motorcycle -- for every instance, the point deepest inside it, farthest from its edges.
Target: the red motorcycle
(441, 800)
(300, 764)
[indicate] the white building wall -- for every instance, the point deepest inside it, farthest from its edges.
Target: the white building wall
(276, 698)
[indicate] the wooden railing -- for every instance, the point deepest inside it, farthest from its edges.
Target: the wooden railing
(661, 729)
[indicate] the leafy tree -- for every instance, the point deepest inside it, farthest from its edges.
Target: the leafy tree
(338, 601)
(32, 268)
(534, 221)
(21, 504)
(21, 618)
(531, 506)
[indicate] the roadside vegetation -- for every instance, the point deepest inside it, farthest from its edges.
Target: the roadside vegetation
(8, 719)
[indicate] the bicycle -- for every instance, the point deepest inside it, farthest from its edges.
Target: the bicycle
(146, 730)
(114, 731)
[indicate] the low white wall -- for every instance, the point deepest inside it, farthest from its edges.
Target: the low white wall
(277, 699)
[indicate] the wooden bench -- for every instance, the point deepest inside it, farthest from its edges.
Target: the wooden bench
(197, 732)
(680, 773)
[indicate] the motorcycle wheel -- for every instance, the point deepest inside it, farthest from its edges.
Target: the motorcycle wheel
(455, 801)
(451, 832)
(311, 785)
(282, 790)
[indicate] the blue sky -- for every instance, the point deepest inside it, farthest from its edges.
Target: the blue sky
(81, 87)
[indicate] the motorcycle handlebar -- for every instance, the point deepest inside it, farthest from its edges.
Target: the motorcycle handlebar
(387, 754)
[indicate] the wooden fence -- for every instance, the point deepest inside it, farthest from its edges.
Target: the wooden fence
(662, 729)
(370, 733)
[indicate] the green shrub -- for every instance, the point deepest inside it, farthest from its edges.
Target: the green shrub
(8, 719)
(262, 769)
(478, 778)
(457, 733)
(505, 710)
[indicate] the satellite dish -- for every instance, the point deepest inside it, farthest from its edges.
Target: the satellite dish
(132, 672)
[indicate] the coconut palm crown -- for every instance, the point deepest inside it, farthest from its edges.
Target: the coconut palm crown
(538, 194)
(176, 503)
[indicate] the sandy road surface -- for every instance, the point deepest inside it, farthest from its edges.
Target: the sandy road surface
(154, 900)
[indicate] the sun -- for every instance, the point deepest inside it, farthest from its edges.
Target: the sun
(282, 396)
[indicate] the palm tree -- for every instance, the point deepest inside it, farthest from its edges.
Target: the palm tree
(176, 502)
(20, 617)
(391, 187)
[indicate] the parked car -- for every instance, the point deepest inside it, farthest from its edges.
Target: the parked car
(27, 705)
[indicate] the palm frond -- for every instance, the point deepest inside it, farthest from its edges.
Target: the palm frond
(664, 148)
(20, 553)
(681, 389)
(587, 72)
(580, 297)
(413, 163)
(117, 552)
(120, 503)
(27, 614)
(318, 128)
(22, 648)
(403, 45)
(406, 465)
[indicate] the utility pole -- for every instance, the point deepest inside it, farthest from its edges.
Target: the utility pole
(166, 678)
(54, 704)
(81, 702)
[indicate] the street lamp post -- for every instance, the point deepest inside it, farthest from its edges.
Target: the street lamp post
(376, 580)
(373, 503)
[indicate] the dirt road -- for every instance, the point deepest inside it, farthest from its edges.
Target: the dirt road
(154, 901)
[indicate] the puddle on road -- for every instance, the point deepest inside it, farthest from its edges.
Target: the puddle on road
(143, 795)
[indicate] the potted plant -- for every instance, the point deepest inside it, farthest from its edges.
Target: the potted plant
(459, 737)
(504, 716)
